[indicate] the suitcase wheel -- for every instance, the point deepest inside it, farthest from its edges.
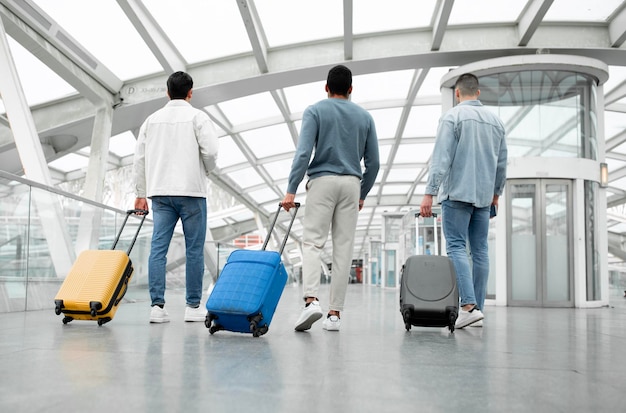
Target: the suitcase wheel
(453, 316)
(209, 319)
(103, 320)
(407, 326)
(257, 332)
(67, 319)
(215, 328)
(58, 306)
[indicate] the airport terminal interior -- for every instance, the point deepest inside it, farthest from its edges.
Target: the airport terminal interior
(78, 79)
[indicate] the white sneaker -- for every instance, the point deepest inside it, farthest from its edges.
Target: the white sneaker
(467, 318)
(159, 315)
(195, 314)
(479, 323)
(332, 323)
(310, 314)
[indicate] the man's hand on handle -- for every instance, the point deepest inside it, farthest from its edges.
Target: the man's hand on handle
(426, 209)
(289, 201)
(141, 203)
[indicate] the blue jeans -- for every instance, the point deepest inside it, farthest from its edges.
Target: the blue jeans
(462, 224)
(166, 210)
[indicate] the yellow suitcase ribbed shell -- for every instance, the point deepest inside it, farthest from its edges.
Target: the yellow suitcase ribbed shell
(95, 277)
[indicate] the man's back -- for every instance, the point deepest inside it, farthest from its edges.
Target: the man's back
(473, 150)
(174, 141)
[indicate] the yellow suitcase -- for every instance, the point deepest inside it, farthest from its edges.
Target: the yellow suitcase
(97, 282)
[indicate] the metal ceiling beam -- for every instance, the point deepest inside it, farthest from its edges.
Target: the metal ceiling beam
(153, 35)
(617, 28)
(531, 18)
(45, 39)
(348, 29)
(615, 141)
(255, 31)
(440, 22)
(615, 94)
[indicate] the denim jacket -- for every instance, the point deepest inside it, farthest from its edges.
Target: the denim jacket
(470, 155)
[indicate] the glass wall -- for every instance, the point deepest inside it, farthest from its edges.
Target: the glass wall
(547, 113)
(28, 279)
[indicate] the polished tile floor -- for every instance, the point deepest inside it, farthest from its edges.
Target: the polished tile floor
(523, 360)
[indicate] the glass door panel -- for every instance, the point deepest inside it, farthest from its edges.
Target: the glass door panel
(523, 232)
(557, 241)
(539, 227)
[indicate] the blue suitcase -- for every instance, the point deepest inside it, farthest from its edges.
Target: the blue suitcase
(248, 289)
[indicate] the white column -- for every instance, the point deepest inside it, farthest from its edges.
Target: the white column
(33, 161)
(91, 217)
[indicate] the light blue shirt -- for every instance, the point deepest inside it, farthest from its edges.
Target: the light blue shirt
(469, 160)
(342, 134)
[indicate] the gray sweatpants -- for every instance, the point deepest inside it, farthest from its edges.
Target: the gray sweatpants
(332, 203)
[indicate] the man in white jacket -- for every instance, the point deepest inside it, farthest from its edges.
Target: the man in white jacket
(176, 149)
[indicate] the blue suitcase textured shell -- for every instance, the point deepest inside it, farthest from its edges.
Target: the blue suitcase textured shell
(251, 282)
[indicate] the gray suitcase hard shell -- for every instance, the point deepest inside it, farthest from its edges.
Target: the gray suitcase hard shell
(428, 292)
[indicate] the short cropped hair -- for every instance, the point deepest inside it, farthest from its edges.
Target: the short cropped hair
(467, 84)
(339, 80)
(178, 85)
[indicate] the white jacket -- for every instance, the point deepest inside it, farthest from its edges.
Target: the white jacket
(176, 149)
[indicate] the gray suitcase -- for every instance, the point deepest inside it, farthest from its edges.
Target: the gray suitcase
(428, 292)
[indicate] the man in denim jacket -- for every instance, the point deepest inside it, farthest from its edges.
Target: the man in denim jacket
(467, 173)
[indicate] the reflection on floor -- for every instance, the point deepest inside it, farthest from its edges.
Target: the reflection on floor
(522, 360)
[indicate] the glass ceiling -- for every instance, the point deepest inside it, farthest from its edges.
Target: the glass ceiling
(284, 48)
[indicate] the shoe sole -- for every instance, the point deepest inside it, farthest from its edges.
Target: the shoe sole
(469, 323)
(331, 328)
(159, 320)
(189, 320)
(306, 324)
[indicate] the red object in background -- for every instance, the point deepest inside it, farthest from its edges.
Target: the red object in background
(359, 274)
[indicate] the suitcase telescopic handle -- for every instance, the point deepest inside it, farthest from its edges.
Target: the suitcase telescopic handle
(141, 212)
(269, 233)
(434, 215)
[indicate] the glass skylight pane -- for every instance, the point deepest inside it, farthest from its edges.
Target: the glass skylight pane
(246, 178)
(279, 170)
(614, 123)
(263, 195)
(386, 121)
(104, 31)
(381, 86)
(581, 10)
(403, 174)
(617, 75)
(301, 96)
(431, 85)
(414, 153)
(395, 189)
(269, 141)
(374, 15)
(485, 11)
(201, 29)
(308, 20)
(39, 83)
(123, 144)
(383, 154)
(422, 121)
(69, 162)
(229, 153)
(250, 108)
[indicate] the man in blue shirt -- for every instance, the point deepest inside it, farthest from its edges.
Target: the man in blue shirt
(468, 174)
(341, 134)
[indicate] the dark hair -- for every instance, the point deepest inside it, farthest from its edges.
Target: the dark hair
(339, 80)
(178, 85)
(467, 84)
